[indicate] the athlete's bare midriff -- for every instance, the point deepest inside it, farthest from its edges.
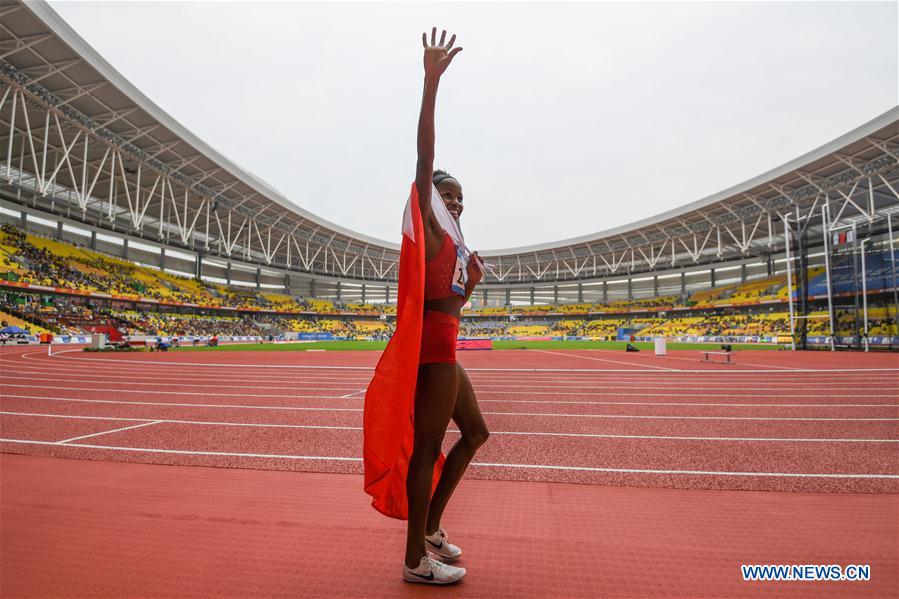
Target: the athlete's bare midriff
(451, 305)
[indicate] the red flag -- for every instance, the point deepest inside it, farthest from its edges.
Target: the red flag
(388, 430)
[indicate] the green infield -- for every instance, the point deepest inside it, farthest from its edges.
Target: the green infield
(499, 344)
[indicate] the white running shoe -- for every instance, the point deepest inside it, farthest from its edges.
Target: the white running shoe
(431, 571)
(438, 544)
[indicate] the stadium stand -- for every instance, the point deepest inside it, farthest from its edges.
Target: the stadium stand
(755, 308)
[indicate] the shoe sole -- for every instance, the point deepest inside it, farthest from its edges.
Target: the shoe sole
(423, 581)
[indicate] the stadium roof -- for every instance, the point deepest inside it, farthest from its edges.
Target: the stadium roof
(83, 135)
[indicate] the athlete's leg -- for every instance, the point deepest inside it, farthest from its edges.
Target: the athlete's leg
(435, 396)
(467, 416)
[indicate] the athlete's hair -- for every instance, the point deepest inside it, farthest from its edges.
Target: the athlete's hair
(440, 176)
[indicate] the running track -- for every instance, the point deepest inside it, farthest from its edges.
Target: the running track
(774, 421)
(826, 425)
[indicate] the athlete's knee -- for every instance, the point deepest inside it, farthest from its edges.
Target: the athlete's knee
(476, 437)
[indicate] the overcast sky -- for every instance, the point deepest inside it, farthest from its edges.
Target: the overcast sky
(559, 119)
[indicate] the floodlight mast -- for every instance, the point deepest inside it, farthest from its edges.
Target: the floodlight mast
(789, 283)
(825, 226)
(864, 290)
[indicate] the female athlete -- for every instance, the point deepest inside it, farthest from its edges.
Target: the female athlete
(443, 390)
(418, 386)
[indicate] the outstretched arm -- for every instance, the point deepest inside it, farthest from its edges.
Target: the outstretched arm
(437, 58)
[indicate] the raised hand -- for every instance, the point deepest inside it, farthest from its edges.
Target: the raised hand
(438, 56)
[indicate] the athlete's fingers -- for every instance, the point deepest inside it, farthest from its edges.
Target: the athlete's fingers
(424, 40)
(451, 42)
(433, 36)
(454, 52)
(442, 37)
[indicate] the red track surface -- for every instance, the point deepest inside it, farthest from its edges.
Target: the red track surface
(775, 421)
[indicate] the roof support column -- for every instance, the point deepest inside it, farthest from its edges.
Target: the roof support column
(387, 294)
(532, 296)
(228, 272)
(258, 278)
(655, 286)
(338, 290)
(23, 219)
(124, 247)
(555, 294)
(580, 293)
(59, 230)
(162, 260)
(508, 296)
(712, 276)
(363, 293)
(312, 288)
(198, 266)
(630, 289)
(93, 244)
(683, 284)
(742, 273)
(485, 296)
(605, 292)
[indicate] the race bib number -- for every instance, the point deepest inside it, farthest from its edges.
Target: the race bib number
(460, 274)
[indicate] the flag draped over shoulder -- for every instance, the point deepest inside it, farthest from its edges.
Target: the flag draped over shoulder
(390, 398)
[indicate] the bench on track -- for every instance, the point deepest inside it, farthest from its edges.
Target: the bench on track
(726, 360)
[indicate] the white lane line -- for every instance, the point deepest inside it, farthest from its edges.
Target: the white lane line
(691, 472)
(457, 432)
(217, 393)
(599, 371)
(704, 371)
(703, 404)
(148, 392)
(124, 428)
(184, 452)
(653, 417)
(481, 387)
(479, 464)
(556, 353)
(769, 366)
(479, 383)
(158, 383)
(496, 374)
(530, 414)
(181, 405)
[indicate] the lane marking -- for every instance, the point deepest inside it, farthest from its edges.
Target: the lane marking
(690, 472)
(487, 387)
(480, 381)
(533, 414)
(59, 356)
(543, 351)
(125, 428)
(458, 432)
(350, 395)
(148, 392)
(478, 464)
(185, 452)
(706, 404)
(834, 372)
(181, 405)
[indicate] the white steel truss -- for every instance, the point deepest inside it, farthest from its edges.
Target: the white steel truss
(72, 142)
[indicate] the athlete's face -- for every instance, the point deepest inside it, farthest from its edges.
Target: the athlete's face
(451, 193)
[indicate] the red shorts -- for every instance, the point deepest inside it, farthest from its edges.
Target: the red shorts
(439, 331)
